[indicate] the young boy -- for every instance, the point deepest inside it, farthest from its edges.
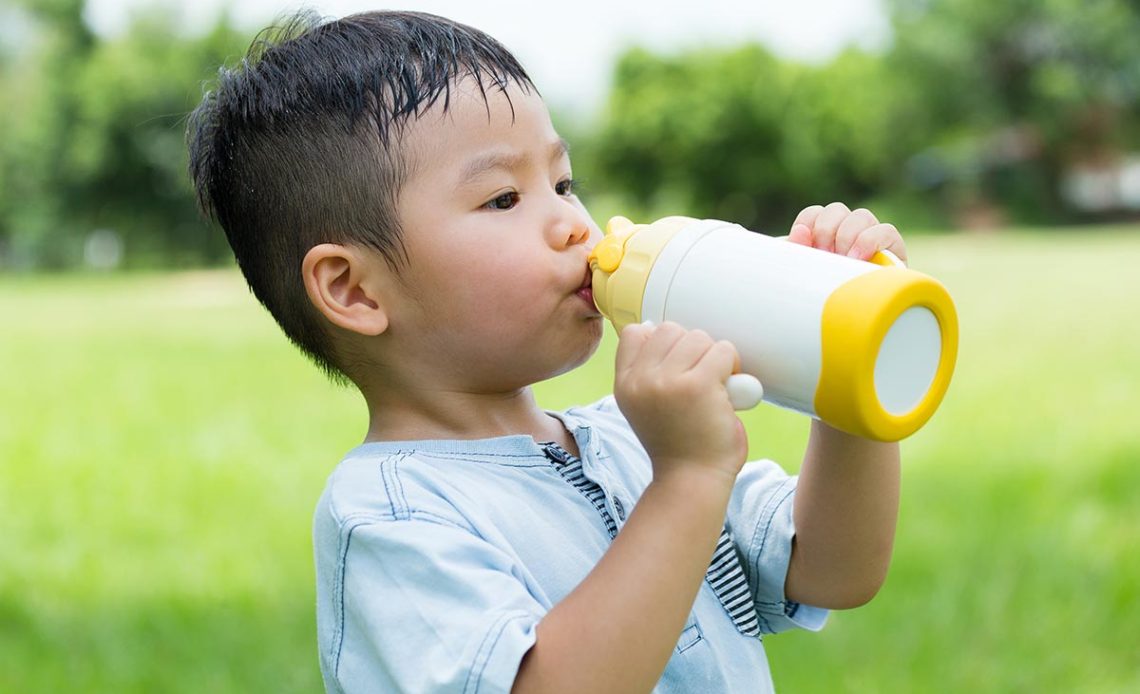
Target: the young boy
(397, 197)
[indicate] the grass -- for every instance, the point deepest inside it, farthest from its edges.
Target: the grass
(161, 449)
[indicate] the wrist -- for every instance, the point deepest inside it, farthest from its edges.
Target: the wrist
(687, 505)
(694, 481)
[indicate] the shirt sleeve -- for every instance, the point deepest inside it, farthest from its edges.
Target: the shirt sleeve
(427, 606)
(760, 518)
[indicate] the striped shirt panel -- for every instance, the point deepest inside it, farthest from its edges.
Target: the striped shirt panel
(570, 467)
(725, 574)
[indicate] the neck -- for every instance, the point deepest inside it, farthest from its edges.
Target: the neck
(455, 414)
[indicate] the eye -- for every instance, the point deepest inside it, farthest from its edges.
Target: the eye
(567, 186)
(504, 202)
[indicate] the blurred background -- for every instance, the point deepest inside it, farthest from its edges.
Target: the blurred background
(162, 446)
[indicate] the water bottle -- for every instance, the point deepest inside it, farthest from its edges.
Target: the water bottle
(867, 347)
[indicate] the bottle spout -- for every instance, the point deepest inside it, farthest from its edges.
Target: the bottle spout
(607, 255)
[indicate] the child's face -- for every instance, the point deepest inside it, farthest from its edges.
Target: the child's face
(497, 242)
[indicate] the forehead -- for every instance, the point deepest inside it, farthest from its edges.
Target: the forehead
(477, 122)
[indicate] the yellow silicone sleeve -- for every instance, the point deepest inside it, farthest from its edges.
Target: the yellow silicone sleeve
(855, 320)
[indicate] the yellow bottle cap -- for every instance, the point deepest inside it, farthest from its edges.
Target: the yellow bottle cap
(621, 263)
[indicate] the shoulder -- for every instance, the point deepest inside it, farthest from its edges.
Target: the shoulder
(385, 487)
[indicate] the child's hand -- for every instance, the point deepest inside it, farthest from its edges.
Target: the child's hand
(670, 385)
(835, 228)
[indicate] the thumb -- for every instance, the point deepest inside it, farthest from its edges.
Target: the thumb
(630, 341)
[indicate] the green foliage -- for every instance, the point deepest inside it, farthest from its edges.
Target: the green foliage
(1019, 91)
(741, 135)
(977, 107)
(1046, 62)
(158, 489)
(974, 113)
(98, 139)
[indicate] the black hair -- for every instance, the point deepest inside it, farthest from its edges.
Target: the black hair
(300, 144)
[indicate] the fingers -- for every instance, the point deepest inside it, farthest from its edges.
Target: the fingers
(671, 387)
(851, 227)
(687, 351)
(827, 225)
(630, 343)
(661, 340)
(670, 348)
(838, 229)
(877, 238)
(801, 234)
(700, 354)
(720, 361)
(807, 216)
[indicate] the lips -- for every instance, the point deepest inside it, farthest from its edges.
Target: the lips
(585, 290)
(588, 280)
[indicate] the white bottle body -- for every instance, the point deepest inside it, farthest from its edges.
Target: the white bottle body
(763, 294)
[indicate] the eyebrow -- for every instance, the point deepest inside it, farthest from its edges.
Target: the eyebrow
(507, 160)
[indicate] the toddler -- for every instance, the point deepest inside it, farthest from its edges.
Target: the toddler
(397, 198)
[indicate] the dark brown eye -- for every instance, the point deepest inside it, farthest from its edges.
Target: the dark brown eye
(566, 187)
(504, 202)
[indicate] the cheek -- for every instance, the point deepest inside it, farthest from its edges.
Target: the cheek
(496, 293)
(520, 293)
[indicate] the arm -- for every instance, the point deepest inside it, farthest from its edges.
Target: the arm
(847, 497)
(845, 509)
(617, 629)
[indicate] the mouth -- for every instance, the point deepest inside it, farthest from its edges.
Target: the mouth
(585, 290)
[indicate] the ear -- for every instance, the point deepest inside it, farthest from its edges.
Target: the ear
(343, 283)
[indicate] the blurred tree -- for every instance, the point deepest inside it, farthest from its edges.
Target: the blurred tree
(25, 163)
(976, 113)
(8, 49)
(741, 135)
(97, 141)
(1017, 93)
(977, 108)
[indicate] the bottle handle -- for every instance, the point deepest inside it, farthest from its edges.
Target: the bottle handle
(744, 391)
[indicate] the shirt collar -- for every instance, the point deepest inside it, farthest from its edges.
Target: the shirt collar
(494, 447)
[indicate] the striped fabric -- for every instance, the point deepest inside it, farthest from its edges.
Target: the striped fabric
(725, 574)
(570, 467)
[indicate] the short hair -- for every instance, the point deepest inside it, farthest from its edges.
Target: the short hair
(300, 145)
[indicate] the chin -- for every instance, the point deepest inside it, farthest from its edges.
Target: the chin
(568, 353)
(590, 346)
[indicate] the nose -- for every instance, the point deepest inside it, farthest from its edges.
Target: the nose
(572, 225)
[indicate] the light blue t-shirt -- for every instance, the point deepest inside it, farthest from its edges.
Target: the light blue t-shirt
(437, 559)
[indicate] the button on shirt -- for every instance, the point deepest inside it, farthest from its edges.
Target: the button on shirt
(437, 559)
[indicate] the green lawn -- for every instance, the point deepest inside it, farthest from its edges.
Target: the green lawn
(161, 449)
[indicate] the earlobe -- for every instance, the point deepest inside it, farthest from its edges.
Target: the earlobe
(341, 285)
